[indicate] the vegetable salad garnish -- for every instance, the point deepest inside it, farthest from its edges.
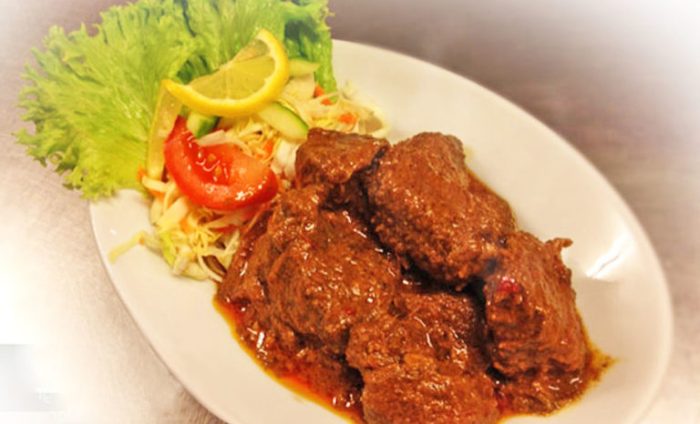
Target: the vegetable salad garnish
(230, 150)
(92, 93)
(201, 105)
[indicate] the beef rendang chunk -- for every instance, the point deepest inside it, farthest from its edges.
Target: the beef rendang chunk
(331, 278)
(336, 161)
(538, 342)
(422, 363)
(395, 284)
(291, 307)
(430, 209)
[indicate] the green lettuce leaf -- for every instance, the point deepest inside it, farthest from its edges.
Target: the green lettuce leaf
(91, 97)
(223, 27)
(310, 38)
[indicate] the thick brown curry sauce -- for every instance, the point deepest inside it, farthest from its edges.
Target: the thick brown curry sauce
(304, 380)
(303, 377)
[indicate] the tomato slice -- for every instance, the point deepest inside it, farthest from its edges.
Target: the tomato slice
(219, 177)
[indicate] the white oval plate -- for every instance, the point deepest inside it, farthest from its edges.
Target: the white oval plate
(622, 293)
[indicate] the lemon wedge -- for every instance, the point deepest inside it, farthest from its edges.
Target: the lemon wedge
(244, 85)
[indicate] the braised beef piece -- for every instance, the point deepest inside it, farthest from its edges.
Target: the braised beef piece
(421, 362)
(251, 288)
(331, 157)
(245, 289)
(264, 240)
(336, 160)
(330, 278)
(538, 342)
(303, 277)
(430, 209)
(243, 280)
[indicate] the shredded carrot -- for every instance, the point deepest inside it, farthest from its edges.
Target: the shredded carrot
(140, 173)
(156, 194)
(185, 226)
(318, 92)
(268, 146)
(348, 118)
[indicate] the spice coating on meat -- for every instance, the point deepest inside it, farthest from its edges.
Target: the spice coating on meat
(330, 278)
(420, 363)
(336, 160)
(330, 157)
(538, 341)
(243, 281)
(430, 209)
(280, 322)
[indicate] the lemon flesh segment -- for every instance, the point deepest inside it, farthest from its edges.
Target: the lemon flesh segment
(242, 86)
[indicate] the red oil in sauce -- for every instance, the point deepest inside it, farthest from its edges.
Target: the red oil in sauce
(299, 383)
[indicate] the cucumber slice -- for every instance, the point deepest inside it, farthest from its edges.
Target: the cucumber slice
(284, 120)
(200, 125)
(299, 67)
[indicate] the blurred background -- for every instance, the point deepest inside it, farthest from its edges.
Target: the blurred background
(618, 79)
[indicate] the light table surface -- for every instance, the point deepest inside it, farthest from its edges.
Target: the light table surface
(619, 81)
